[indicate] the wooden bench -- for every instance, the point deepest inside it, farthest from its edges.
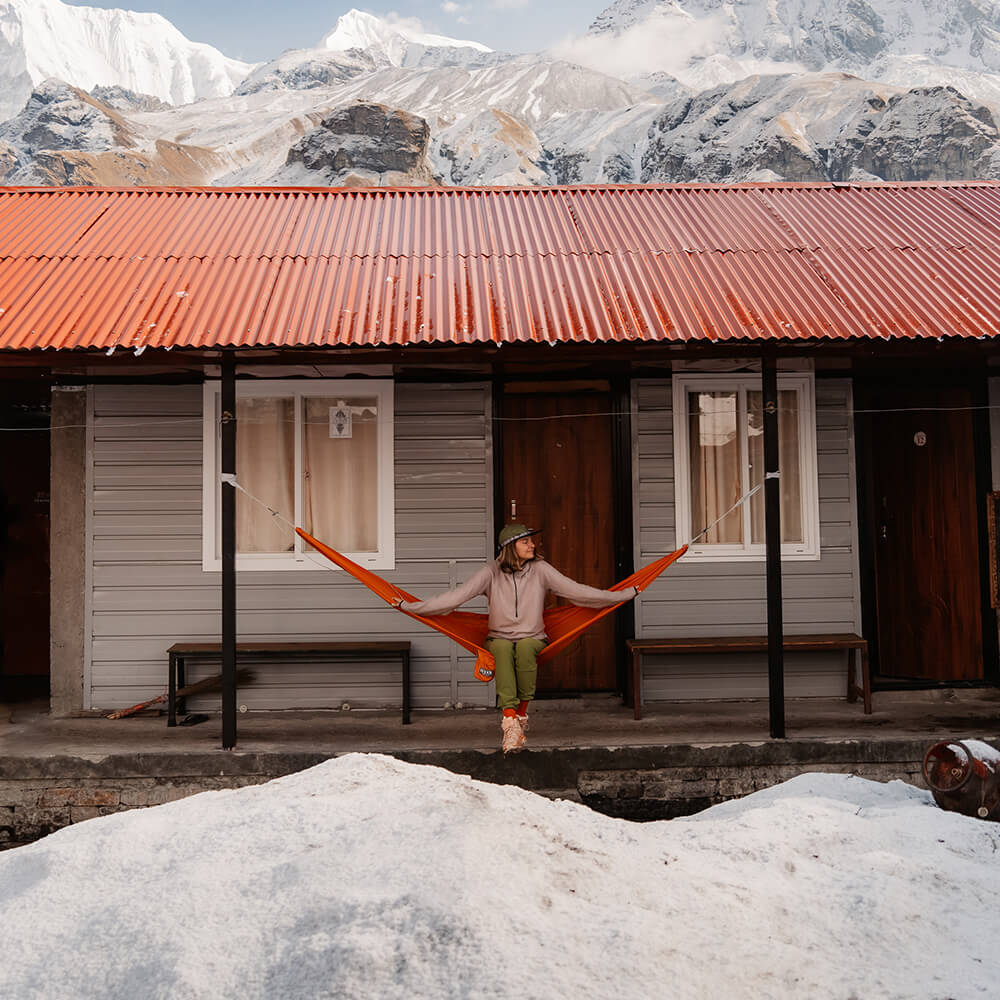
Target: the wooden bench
(181, 653)
(853, 644)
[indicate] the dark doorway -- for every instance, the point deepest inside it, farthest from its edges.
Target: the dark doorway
(24, 502)
(558, 469)
(922, 484)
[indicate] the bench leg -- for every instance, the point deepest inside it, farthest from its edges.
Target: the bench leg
(636, 685)
(172, 690)
(866, 679)
(858, 657)
(405, 657)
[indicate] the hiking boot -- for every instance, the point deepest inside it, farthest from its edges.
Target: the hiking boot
(513, 734)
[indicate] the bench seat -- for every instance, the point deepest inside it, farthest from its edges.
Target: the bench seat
(855, 646)
(181, 653)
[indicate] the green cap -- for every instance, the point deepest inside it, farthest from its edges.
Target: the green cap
(512, 532)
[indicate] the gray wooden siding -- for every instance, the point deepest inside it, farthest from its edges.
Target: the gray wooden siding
(148, 589)
(719, 599)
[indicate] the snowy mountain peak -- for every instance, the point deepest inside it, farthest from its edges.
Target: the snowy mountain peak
(395, 40)
(90, 46)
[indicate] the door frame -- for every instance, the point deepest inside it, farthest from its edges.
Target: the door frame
(620, 393)
(864, 384)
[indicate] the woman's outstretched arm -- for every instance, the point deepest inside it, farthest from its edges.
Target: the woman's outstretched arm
(441, 604)
(580, 593)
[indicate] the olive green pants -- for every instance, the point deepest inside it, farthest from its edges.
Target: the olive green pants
(516, 669)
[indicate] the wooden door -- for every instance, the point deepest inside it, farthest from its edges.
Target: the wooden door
(558, 469)
(925, 533)
(24, 496)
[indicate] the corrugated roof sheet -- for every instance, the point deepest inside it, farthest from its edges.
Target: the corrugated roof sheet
(88, 268)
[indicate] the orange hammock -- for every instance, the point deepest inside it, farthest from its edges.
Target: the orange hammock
(468, 628)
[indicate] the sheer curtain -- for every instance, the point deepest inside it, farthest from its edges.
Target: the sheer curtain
(788, 464)
(341, 474)
(265, 463)
(714, 449)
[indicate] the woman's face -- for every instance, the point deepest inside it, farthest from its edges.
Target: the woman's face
(524, 548)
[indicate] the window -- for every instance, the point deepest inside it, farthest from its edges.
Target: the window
(319, 453)
(719, 457)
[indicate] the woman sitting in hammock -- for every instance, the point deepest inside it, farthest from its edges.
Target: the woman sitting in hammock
(515, 585)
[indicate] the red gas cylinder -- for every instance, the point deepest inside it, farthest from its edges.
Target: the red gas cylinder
(964, 776)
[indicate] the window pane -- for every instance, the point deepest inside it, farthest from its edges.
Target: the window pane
(265, 467)
(715, 466)
(788, 464)
(341, 471)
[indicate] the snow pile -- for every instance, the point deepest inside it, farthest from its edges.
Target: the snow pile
(90, 46)
(367, 877)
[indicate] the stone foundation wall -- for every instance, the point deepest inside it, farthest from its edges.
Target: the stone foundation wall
(30, 810)
(666, 793)
(41, 795)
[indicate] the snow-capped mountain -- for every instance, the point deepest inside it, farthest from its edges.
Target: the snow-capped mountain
(656, 91)
(401, 43)
(90, 47)
(708, 42)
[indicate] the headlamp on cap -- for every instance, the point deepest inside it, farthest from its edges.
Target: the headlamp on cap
(514, 532)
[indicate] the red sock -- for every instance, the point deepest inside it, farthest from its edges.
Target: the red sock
(508, 712)
(522, 709)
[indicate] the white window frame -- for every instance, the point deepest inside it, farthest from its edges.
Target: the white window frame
(804, 385)
(302, 557)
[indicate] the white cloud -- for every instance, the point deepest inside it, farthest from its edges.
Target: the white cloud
(664, 41)
(458, 11)
(510, 4)
(408, 25)
(692, 50)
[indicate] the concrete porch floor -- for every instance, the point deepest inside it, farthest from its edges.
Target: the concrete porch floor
(570, 724)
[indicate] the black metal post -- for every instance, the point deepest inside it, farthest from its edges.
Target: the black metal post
(228, 412)
(500, 507)
(621, 461)
(772, 546)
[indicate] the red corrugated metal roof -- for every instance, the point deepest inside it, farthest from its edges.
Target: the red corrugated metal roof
(89, 268)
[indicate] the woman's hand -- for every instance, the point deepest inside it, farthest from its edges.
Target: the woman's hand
(397, 602)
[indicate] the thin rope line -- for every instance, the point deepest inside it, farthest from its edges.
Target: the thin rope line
(742, 500)
(232, 481)
(988, 408)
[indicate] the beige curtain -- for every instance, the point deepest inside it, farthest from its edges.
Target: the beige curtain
(341, 474)
(788, 464)
(714, 449)
(265, 466)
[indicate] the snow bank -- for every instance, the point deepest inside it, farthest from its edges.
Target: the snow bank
(368, 877)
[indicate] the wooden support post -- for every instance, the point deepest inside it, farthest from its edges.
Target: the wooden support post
(228, 467)
(772, 546)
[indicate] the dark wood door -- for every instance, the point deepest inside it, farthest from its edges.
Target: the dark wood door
(558, 470)
(24, 497)
(925, 533)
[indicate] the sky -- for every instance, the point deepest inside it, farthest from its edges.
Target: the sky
(370, 877)
(259, 30)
